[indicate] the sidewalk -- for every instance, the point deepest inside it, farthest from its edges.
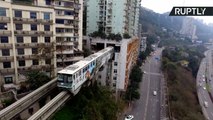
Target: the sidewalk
(125, 111)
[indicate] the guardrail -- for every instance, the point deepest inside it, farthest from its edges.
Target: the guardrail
(17, 107)
(45, 112)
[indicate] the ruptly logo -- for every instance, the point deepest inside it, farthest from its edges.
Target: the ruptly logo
(191, 11)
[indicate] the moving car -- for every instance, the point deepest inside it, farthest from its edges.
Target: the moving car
(129, 117)
(206, 104)
(154, 93)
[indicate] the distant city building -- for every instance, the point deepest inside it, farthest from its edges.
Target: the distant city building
(143, 44)
(113, 16)
(38, 35)
(189, 29)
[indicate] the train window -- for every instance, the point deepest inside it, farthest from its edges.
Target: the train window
(70, 78)
(60, 77)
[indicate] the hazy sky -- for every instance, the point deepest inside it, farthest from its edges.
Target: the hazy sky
(161, 6)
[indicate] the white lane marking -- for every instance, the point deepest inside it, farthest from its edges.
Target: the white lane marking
(147, 97)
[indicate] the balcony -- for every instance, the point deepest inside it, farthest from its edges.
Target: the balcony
(5, 32)
(17, 19)
(4, 19)
(6, 58)
(6, 71)
(68, 51)
(26, 20)
(48, 33)
(46, 21)
(36, 67)
(26, 45)
(6, 45)
(26, 57)
(33, 33)
(67, 59)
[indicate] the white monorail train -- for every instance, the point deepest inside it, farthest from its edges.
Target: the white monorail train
(75, 75)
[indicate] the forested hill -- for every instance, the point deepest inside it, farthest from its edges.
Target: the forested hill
(153, 22)
(148, 17)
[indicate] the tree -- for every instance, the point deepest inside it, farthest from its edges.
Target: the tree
(87, 52)
(35, 79)
(126, 35)
(46, 52)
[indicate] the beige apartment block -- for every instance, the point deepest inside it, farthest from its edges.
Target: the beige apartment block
(43, 35)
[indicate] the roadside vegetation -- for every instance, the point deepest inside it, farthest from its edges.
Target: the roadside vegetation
(135, 77)
(92, 103)
(180, 65)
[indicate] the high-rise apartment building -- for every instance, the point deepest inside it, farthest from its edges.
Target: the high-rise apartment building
(38, 35)
(113, 16)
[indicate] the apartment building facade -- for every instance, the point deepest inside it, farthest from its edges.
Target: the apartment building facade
(125, 56)
(113, 16)
(42, 35)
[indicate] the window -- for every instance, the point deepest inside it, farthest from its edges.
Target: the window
(3, 26)
(47, 39)
(8, 80)
(68, 12)
(4, 39)
(18, 13)
(33, 15)
(34, 39)
(48, 2)
(48, 61)
(59, 30)
(114, 78)
(19, 27)
(2, 11)
(115, 70)
(115, 63)
(46, 16)
(59, 21)
(114, 84)
(6, 64)
(35, 62)
(33, 27)
(5, 52)
(20, 51)
(34, 51)
(46, 27)
(20, 39)
(21, 63)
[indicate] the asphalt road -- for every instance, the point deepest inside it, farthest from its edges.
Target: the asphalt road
(148, 106)
(202, 92)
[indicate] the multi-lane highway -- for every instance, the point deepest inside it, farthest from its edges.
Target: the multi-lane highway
(149, 105)
(205, 85)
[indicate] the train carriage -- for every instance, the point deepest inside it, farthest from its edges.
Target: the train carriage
(74, 76)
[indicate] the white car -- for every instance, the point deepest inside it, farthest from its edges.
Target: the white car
(204, 80)
(206, 104)
(129, 117)
(154, 93)
(204, 88)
